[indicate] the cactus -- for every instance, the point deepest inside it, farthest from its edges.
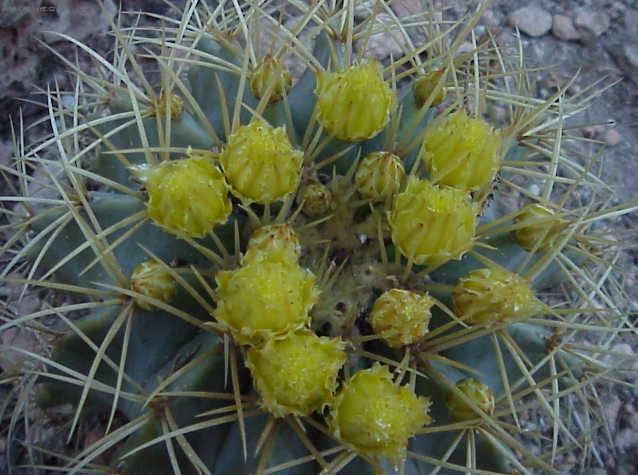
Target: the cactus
(279, 274)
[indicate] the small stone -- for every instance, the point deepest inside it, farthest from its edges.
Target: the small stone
(563, 28)
(490, 18)
(633, 421)
(535, 189)
(613, 137)
(631, 23)
(594, 23)
(631, 53)
(626, 438)
(531, 20)
(611, 409)
(381, 45)
(404, 8)
(593, 131)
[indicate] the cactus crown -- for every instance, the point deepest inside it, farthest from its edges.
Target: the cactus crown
(275, 272)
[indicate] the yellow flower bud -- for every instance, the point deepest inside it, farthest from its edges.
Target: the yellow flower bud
(317, 200)
(270, 70)
(175, 105)
(276, 242)
(297, 374)
(424, 87)
(492, 295)
(151, 279)
(374, 416)
(461, 151)
(265, 299)
(480, 395)
(260, 163)
(401, 317)
(354, 104)
(187, 197)
(379, 176)
(432, 224)
(538, 225)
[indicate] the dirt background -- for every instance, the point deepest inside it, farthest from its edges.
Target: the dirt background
(597, 37)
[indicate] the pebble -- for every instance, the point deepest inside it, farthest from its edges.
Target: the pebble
(594, 23)
(404, 8)
(611, 409)
(631, 23)
(382, 44)
(490, 18)
(625, 439)
(531, 20)
(613, 137)
(563, 28)
(631, 53)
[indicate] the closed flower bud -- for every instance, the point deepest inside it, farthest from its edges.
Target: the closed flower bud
(175, 105)
(297, 374)
(379, 176)
(275, 242)
(265, 299)
(477, 392)
(424, 87)
(151, 279)
(538, 228)
(260, 163)
(432, 224)
(492, 295)
(317, 200)
(401, 317)
(374, 416)
(270, 73)
(187, 197)
(461, 151)
(353, 104)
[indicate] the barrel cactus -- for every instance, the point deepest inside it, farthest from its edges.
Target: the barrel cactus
(271, 272)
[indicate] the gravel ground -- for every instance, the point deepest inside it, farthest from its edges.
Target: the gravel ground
(597, 37)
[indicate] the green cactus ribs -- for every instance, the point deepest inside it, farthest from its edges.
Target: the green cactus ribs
(286, 256)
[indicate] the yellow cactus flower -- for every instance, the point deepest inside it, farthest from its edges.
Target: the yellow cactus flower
(151, 279)
(270, 70)
(260, 163)
(539, 228)
(297, 374)
(379, 176)
(374, 416)
(461, 151)
(432, 224)
(401, 317)
(424, 87)
(187, 197)
(477, 392)
(491, 295)
(354, 104)
(275, 242)
(265, 299)
(317, 200)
